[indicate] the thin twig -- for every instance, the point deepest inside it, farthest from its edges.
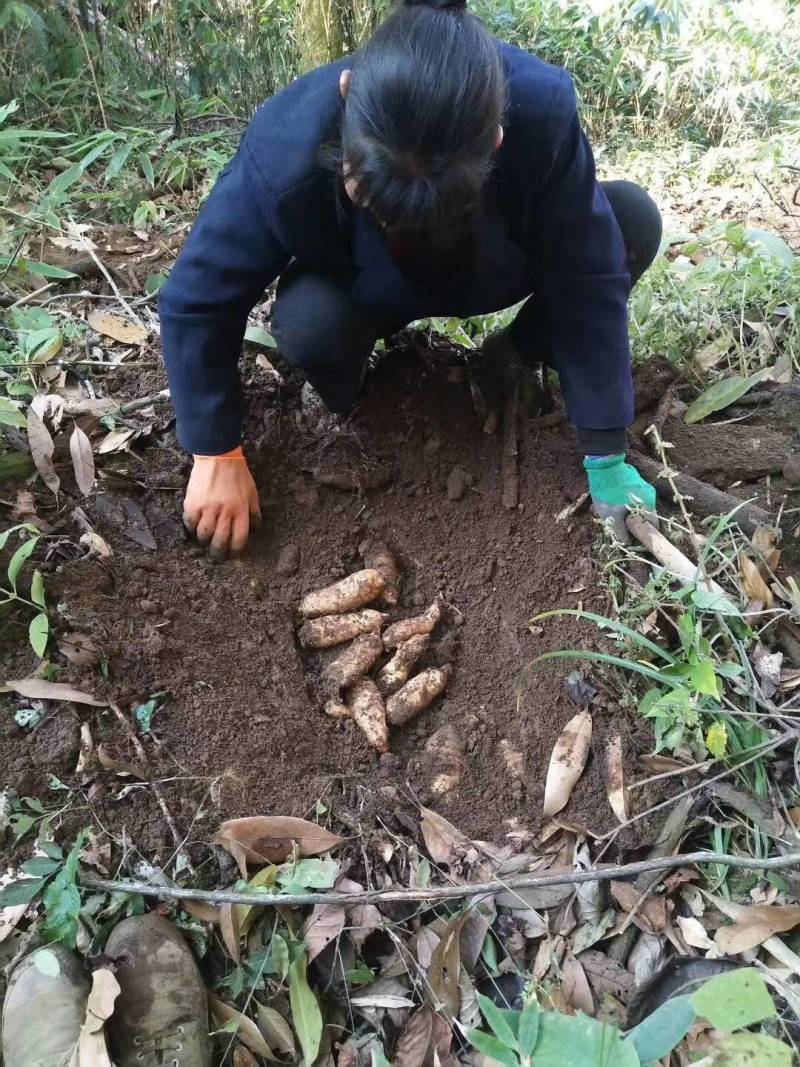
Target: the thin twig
(87, 53)
(23, 300)
(107, 275)
(449, 892)
(143, 759)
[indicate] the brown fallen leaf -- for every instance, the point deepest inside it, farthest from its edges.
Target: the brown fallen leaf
(615, 780)
(39, 689)
(275, 1030)
(42, 449)
(443, 841)
(80, 448)
(202, 910)
(649, 915)
(764, 541)
(230, 931)
(362, 919)
(270, 839)
(248, 1033)
(91, 1049)
(119, 766)
(79, 649)
(755, 925)
(694, 933)
(576, 986)
(754, 585)
(117, 328)
(412, 1048)
(607, 977)
(567, 763)
(324, 925)
(243, 1057)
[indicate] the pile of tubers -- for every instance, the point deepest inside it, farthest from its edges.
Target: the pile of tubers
(338, 614)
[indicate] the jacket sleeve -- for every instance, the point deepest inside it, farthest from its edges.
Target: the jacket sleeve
(581, 265)
(230, 257)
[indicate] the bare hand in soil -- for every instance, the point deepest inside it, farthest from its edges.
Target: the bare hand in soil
(221, 505)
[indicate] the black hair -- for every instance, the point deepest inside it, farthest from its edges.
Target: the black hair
(419, 128)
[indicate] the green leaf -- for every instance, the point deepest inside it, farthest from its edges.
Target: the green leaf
(490, 1046)
(308, 874)
(528, 1028)
(46, 962)
(62, 904)
(21, 892)
(10, 415)
(37, 589)
(280, 955)
(257, 335)
(33, 267)
(717, 739)
(775, 247)
(577, 1041)
(662, 1031)
(306, 1016)
(722, 394)
(734, 1000)
(709, 600)
(155, 282)
(51, 850)
(493, 1016)
(16, 465)
(18, 559)
(39, 633)
(753, 1050)
(703, 678)
(147, 169)
(41, 866)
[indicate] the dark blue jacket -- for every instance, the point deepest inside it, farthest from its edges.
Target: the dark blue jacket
(547, 226)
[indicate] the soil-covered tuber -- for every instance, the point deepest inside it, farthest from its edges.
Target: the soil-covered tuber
(398, 670)
(369, 713)
(407, 628)
(377, 557)
(333, 630)
(353, 663)
(447, 753)
(417, 695)
(336, 709)
(349, 594)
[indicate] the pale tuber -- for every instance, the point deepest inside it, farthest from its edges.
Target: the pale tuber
(377, 557)
(349, 594)
(369, 713)
(336, 709)
(446, 750)
(398, 670)
(353, 663)
(417, 695)
(333, 630)
(408, 628)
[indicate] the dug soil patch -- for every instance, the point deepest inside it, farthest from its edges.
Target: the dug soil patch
(240, 732)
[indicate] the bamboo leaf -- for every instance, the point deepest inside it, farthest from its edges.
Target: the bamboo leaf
(306, 1016)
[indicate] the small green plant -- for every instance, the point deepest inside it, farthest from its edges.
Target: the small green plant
(730, 1002)
(53, 877)
(39, 628)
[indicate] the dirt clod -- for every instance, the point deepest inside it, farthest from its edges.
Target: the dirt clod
(288, 561)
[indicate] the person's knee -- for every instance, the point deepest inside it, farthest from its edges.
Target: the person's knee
(639, 220)
(313, 320)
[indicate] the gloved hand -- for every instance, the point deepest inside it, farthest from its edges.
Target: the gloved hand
(615, 486)
(221, 504)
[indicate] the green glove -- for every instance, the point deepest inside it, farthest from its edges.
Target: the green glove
(615, 486)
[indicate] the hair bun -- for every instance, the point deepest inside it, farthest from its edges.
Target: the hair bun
(440, 5)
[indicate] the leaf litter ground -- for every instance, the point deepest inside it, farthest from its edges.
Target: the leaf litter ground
(241, 731)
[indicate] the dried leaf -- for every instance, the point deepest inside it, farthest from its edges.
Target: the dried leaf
(117, 328)
(42, 449)
(567, 763)
(445, 967)
(324, 925)
(412, 1048)
(115, 441)
(650, 915)
(243, 1057)
(362, 919)
(754, 925)
(271, 838)
(79, 649)
(201, 910)
(607, 977)
(247, 1032)
(615, 780)
(276, 1030)
(39, 689)
(526, 897)
(80, 448)
(694, 933)
(231, 933)
(443, 841)
(119, 766)
(754, 585)
(91, 1049)
(575, 986)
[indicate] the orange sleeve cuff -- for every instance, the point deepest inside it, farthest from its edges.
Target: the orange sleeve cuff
(235, 453)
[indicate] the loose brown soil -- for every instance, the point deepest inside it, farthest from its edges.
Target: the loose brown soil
(241, 729)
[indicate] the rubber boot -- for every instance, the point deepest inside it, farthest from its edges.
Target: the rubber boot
(161, 1015)
(43, 1012)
